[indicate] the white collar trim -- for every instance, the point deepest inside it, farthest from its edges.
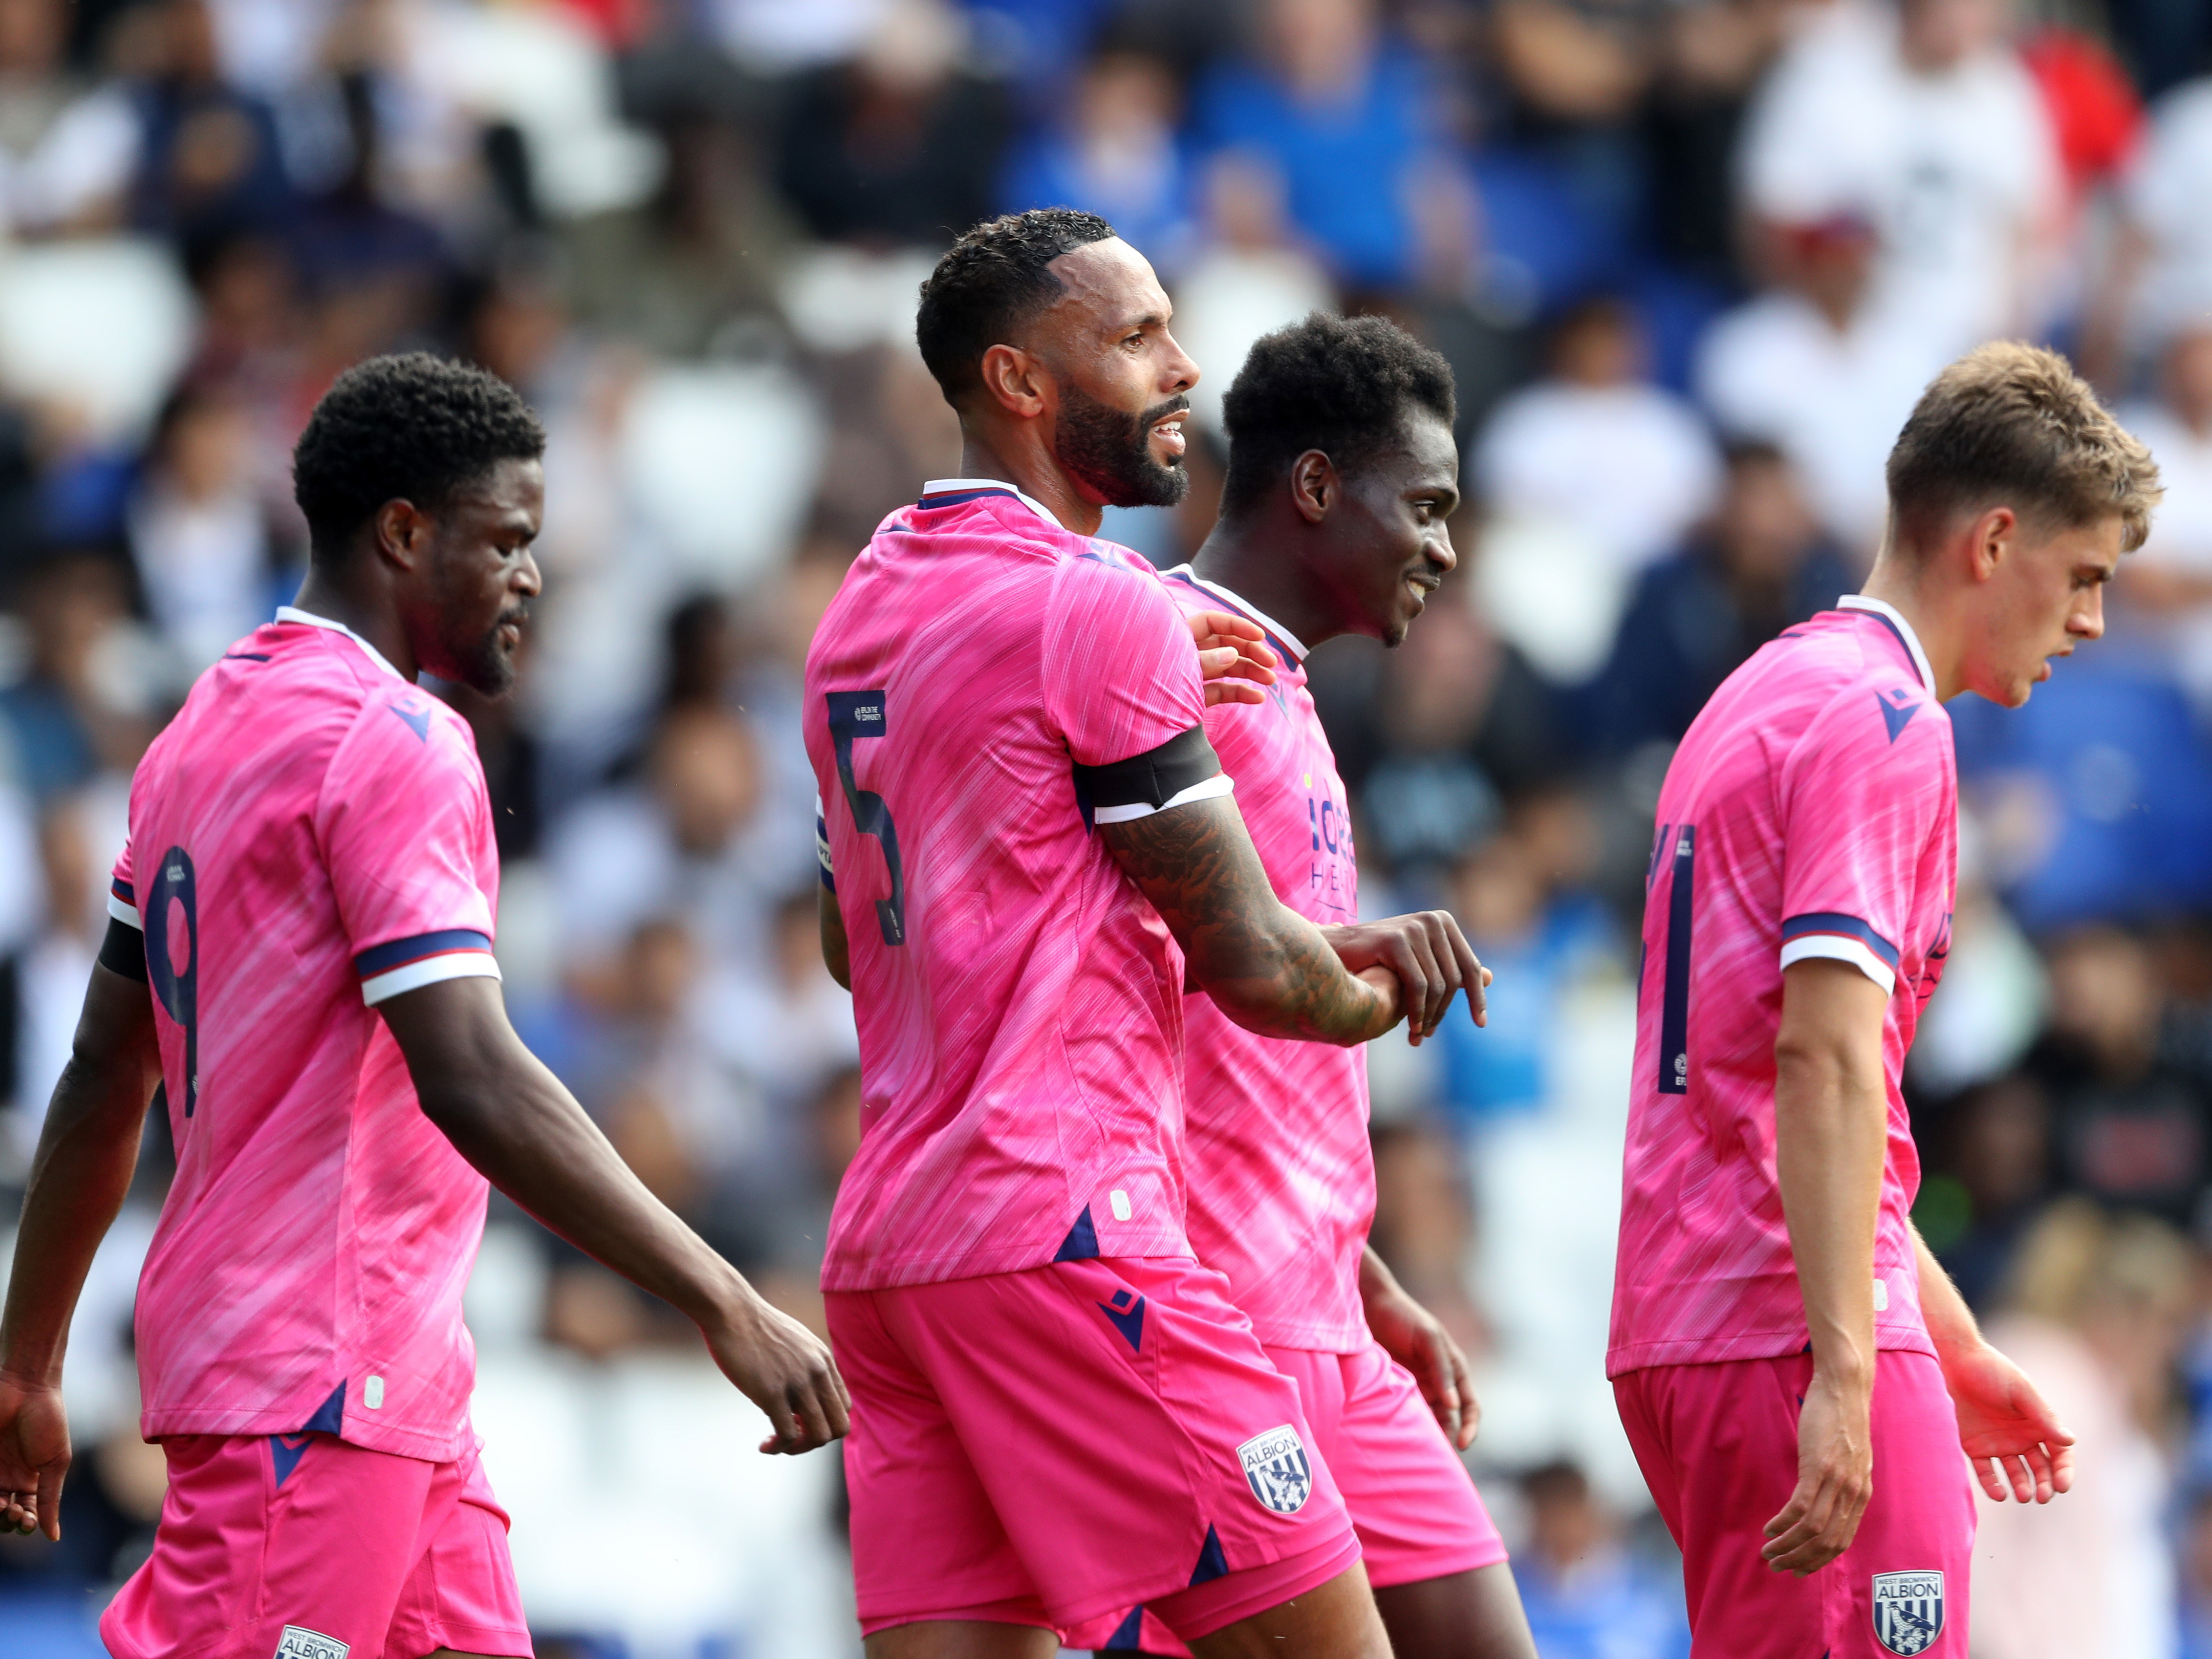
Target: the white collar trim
(939, 486)
(292, 613)
(1883, 608)
(1238, 602)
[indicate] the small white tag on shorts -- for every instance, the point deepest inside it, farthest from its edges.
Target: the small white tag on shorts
(372, 1393)
(1882, 1296)
(1120, 1202)
(1276, 1469)
(298, 1641)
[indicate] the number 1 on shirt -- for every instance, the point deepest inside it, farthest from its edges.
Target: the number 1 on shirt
(1674, 1006)
(854, 715)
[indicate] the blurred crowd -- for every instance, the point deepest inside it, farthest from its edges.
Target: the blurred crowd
(1692, 261)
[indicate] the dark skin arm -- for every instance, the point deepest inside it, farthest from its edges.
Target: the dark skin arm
(836, 955)
(87, 1153)
(513, 1120)
(1417, 1340)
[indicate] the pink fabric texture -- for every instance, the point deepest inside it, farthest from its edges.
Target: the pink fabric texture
(1413, 1504)
(1718, 1446)
(1812, 811)
(310, 834)
(1050, 1446)
(1281, 1175)
(1019, 1004)
(289, 1544)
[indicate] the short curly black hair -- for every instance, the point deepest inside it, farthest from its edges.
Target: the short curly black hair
(994, 278)
(1342, 385)
(413, 428)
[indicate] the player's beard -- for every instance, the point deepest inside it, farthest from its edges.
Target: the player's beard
(486, 667)
(1113, 452)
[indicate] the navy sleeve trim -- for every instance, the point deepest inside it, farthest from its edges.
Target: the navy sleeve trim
(1836, 924)
(402, 951)
(123, 950)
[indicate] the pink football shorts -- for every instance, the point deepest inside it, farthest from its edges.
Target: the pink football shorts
(302, 1547)
(1718, 1446)
(1045, 1447)
(1414, 1506)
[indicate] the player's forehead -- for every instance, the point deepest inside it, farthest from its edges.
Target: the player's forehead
(507, 491)
(1108, 288)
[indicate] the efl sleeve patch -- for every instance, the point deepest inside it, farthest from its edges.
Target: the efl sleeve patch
(1182, 769)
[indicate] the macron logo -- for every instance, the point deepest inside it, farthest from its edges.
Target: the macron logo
(417, 716)
(1898, 709)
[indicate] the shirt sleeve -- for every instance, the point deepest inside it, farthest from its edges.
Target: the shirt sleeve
(122, 893)
(1123, 689)
(1121, 669)
(1862, 794)
(827, 869)
(405, 829)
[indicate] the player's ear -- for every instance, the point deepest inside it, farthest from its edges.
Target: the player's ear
(1995, 534)
(402, 533)
(1013, 379)
(1313, 485)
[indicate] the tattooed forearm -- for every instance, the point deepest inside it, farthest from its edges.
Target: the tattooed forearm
(1265, 966)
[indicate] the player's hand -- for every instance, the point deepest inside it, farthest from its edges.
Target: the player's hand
(1233, 657)
(1431, 958)
(1835, 1478)
(34, 1456)
(785, 1369)
(2009, 1431)
(1417, 1340)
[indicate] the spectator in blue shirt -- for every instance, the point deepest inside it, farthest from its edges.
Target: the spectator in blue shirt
(1350, 119)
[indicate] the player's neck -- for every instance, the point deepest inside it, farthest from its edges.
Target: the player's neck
(1033, 469)
(321, 596)
(1903, 590)
(1248, 560)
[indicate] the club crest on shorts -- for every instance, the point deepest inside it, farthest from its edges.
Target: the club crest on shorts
(299, 1642)
(1276, 1468)
(1908, 1610)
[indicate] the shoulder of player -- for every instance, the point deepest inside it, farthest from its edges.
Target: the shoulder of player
(1088, 571)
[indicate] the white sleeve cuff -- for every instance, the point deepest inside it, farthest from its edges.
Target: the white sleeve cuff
(125, 913)
(1838, 949)
(1219, 784)
(456, 965)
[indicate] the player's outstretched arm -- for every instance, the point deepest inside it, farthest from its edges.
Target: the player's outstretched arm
(2008, 1430)
(87, 1153)
(1417, 1340)
(1265, 966)
(513, 1120)
(1831, 1137)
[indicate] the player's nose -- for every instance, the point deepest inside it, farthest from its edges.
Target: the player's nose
(1180, 370)
(527, 581)
(2088, 618)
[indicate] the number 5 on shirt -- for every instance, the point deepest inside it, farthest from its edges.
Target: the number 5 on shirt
(178, 987)
(854, 716)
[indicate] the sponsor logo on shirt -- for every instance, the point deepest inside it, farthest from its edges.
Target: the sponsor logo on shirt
(1908, 1610)
(298, 1641)
(1276, 1468)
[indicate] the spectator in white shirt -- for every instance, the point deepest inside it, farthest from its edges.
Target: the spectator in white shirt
(1814, 369)
(1925, 116)
(2167, 587)
(1597, 448)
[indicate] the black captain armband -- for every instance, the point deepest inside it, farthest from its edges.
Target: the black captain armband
(123, 950)
(1182, 769)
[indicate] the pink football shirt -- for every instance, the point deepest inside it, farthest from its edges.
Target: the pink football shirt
(1281, 1176)
(310, 836)
(1812, 811)
(1019, 1004)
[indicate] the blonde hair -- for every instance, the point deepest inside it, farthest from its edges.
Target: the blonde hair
(2011, 424)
